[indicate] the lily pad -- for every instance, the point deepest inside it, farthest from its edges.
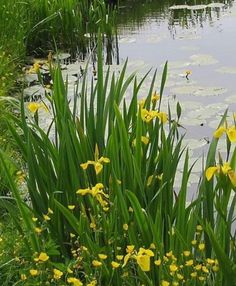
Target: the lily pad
(75, 68)
(34, 92)
(210, 91)
(197, 7)
(231, 99)
(31, 77)
(69, 78)
(216, 5)
(189, 35)
(178, 7)
(191, 121)
(154, 39)
(227, 70)
(203, 60)
(127, 40)
(61, 56)
(177, 65)
(184, 89)
(193, 144)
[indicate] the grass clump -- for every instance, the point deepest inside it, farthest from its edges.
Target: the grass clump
(99, 205)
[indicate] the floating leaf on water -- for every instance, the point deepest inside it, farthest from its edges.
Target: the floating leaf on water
(31, 77)
(210, 91)
(188, 36)
(34, 93)
(127, 40)
(87, 35)
(227, 70)
(75, 68)
(154, 39)
(61, 56)
(69, 78)
(184, 89)
(189, 105)
(177, 65)
(193, 144)
(197, 7)
(216, 5)
(231, 99)
(203, 59)
(178, 7)
(190, 121)
(207, 112)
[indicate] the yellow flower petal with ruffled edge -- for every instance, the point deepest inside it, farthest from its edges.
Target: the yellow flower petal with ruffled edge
(210, 172)
(219, 132)
(143, 262)
(115, 264)
(155, 97)
(83, 192)
(232, 177)
(104, 160)
(162, 117)
(98, 167)
(225, 168)
(231, 133)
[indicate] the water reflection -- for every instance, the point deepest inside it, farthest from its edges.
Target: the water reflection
(134, 14)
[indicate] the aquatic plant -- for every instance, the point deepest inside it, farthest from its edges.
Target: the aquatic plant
(98, 205)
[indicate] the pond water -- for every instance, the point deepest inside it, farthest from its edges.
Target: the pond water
(199, 37)
(200, 40)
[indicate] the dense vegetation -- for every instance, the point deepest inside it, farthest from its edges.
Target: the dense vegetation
(90, 199)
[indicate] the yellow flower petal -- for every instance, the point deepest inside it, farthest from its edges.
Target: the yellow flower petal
(130, 248)
(225, 168)
(232, 177)
(157, 262)
(33, 272)
(126, 259)
(231, 133)
(219, 132)
(143, 262)
(84, 166)
(102, 256)
(98, 167)
(201, 246)
(33, 106)
(210, 172)
(162, 117)
(96, 263)
(57, 274)
(155, 97)
(115, 264)
(145, 140)
(104, 160)
(83, 192)
(43, 256)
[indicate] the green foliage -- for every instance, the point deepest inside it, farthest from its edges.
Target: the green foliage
(72, 25)
(105, 185)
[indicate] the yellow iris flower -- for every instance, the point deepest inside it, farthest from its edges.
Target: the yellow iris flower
(224, 169)
(33, 107)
